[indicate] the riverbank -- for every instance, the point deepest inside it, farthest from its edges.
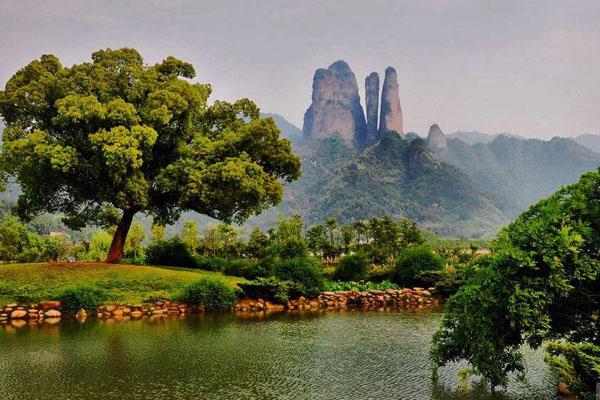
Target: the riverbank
(137, 292)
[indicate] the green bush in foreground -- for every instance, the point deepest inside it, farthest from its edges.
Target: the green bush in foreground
(307, 272)
(413, 262)
(270, 289)
(335, 286)
(213, 294)
(87, 297)
(577, 364)
(352, 268)
(170, 252)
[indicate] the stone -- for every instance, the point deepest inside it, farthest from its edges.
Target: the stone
(17, 314)
(136, 314)
(436, 139)
(50, 305)
(335, 107)
(390, 116)
(110, 308)
(372, 106)
(81, 315)
(52, 314)
(12, 305)
(117, 313)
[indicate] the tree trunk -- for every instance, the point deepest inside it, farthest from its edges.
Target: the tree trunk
(115, 253)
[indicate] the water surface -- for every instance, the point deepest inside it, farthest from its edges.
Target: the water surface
(335, 355)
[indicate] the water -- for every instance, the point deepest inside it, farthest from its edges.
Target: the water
(352, 355)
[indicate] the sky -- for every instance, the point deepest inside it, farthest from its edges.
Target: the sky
(529, 67)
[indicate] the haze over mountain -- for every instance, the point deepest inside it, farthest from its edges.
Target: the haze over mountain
(463, 184)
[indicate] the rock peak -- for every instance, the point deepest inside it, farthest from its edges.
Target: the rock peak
(436, 138)
(335, 108)
(372, 106)
(390, 117)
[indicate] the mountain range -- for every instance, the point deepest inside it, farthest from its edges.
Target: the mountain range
(357, 162)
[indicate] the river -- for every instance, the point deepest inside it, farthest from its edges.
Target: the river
(335, 355)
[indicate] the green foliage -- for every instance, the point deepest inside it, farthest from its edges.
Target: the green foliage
(541, 284)
(249, 269)
(212, 294)
(336, 286)
(18, 244)
(352, 268)
(218, 264)
(98, 246)
(413, 263)
(577, 364)
(103, 140)
(88, 297)
(307, 272)
(271, 289)
(291, 247)
(172, 252)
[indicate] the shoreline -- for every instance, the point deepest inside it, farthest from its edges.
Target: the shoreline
(51, 312)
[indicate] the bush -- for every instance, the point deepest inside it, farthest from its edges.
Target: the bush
(87, 297)
(414, 262)
(170, 252)
(307, 272)
(213, 294)
(217, 264)
(249, 269)
(352, 268)
(335, 286)
(271, 289)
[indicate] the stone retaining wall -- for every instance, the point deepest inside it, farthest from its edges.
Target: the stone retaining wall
(51, 311)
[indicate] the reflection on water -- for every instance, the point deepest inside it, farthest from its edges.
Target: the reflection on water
(350, 355)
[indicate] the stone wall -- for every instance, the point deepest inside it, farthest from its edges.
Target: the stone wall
(51, 312)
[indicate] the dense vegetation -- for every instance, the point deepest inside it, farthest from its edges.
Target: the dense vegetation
(100, 141)
(542, 284)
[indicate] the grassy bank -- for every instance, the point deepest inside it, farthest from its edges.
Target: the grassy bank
(124, 283)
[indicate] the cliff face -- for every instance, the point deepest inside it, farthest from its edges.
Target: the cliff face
(391, 112)
(335, 107)
(372, 106)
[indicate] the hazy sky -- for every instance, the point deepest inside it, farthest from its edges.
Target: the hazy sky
(527, 67)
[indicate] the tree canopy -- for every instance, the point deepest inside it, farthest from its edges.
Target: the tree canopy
(102, 140)
(542, 284)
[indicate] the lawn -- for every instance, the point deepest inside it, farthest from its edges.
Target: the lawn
(124, 283)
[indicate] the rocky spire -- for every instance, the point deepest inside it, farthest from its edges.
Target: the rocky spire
(436, 139)
(335, 107)
(391, 112)
(372, 105)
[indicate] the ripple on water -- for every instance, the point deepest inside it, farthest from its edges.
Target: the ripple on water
(351, 355)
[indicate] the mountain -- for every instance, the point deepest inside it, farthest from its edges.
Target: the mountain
(589, 140)
(288, 130)
(473, 137)
(336, 109)
(520, 171)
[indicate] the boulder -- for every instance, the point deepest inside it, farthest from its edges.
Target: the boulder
(50, 305)
(17, 314)
(52, 314)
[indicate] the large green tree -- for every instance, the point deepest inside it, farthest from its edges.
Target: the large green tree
(542, 284)
(101, 141)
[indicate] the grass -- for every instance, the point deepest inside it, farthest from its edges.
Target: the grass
(124, 283)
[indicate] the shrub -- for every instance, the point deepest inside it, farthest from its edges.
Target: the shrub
(249, 269)
(336, 286)
(170, 252)
(218, 264)
(88, 297)
(305, 271)
(414, 262)
(271, 289)
(213, 294)
(352, 268)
